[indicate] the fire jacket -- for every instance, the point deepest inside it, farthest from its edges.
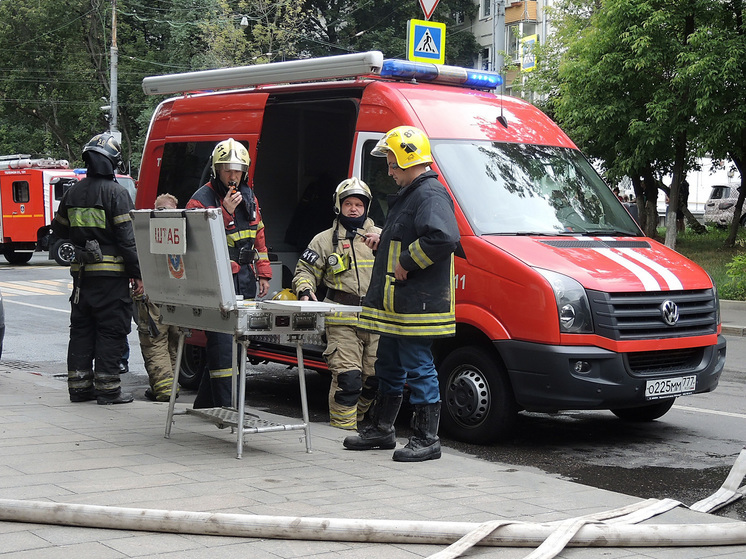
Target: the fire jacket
(421, 234)
(343, 263)
(244, 231)
(97, 209)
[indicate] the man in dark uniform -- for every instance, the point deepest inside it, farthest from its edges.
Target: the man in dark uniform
(244, 232)
(410, 300)
(94, 215)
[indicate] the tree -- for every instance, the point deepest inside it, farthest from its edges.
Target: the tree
(620, 93)
(342, 26)
(718, 68)
(56, 65)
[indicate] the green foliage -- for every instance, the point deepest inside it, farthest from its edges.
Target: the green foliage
(709, 252)
(735, 288)
(55, 56)
(341, 26)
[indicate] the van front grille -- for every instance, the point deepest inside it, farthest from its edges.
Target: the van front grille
(636, 316)
(662, 362)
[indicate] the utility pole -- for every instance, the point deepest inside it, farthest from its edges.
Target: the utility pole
(113, 76)
(498, 35)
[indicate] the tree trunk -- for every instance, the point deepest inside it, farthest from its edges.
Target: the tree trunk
(736, 223)
(693, 222)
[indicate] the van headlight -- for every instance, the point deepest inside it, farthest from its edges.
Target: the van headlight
(572, 303)
(717, 300)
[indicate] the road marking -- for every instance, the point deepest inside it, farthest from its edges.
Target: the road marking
(35, 306)
(26, 290)
(711, 412)
(28, 287)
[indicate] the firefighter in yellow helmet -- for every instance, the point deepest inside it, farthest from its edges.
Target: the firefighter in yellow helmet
(410, 299)
(339, 259)
(228, 189)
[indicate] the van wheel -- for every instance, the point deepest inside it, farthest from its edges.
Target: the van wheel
(14, 257)
(193, 366)
(650, 412)
(478, 406)
(63, 252)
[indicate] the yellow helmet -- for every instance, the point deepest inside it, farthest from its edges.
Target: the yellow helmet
(231, 155)
(409, 145)
(285, 295)
(351, 187)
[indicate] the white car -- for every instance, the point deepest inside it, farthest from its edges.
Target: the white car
(721, 205)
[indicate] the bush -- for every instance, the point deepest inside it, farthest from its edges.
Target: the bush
(735, 288)
(726, 265)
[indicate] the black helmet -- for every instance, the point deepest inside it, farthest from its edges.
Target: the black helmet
(106, 145)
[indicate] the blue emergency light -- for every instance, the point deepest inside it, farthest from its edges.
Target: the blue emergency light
(440, 73)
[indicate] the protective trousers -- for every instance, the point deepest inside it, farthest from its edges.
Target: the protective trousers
(216, 387)
(350, 354)
(99, 324)
(159, 344)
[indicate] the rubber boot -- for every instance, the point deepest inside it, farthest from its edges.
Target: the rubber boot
(380, 433)
(117, 397)
(424, 444)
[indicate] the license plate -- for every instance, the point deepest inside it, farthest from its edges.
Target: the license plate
(668, 387)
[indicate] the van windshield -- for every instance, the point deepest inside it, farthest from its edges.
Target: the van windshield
(522, 189)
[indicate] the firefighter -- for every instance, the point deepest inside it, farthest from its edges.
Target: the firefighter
(244, 232)
(158, 342)
(94, 215)
(339, 260)
(410, 300)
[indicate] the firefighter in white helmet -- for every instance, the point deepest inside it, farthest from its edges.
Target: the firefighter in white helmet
(339, 259)
(228, 189)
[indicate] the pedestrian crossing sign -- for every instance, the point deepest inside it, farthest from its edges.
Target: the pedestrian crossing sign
(426, 41)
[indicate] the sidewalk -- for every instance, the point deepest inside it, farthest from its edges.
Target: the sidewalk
(733, 317)
(55, 451)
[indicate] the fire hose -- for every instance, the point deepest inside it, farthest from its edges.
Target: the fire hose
(616, 528)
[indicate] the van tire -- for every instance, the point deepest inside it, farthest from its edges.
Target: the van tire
(641, 414)
(63, 252)
(193, 366)
(15, 257)
(478, 406)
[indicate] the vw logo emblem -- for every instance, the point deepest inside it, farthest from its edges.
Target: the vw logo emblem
(670, 312)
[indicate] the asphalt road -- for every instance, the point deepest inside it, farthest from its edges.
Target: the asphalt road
(685, 455)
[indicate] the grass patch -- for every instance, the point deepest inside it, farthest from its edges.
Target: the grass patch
(708, 251)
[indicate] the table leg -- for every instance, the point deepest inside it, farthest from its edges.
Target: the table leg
(241, 399)
(175, 384)
(303, 398)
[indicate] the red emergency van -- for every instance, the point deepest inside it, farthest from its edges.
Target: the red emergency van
(561, 302)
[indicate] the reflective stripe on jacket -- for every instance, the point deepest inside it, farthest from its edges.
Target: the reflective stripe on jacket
(313, 268)
(241, 230)
(421, 234)
(97, 208)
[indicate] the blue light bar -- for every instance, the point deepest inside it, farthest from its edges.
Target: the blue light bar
(439, 73)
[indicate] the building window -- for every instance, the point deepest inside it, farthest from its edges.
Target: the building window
(513, 38)
(485, 59)
(485, 8)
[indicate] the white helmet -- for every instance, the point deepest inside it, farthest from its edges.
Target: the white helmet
(351, 187)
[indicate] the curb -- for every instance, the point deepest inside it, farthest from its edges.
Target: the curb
(733, 330)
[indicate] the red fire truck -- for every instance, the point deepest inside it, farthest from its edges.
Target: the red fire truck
(30, 192)
(27, 203)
